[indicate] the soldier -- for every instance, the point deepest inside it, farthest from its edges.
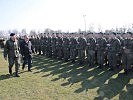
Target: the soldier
(73, 48)
(36, 45)
(54, 41)
(59, 46)
(127, 55)
(90, 49)
(39, 44)
(119, 61)
(81, 48)
(44, 44)
(32, 39)
(66, 48)
(11, 49)
(113, 51)
(101, 49)
(49, 46)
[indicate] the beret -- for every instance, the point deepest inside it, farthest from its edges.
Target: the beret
(12, 34)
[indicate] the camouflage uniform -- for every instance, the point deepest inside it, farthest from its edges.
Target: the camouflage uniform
(36, 44)
(113, 51)
(11, 49)
(59, 48)
(54, 51)
(66, 49)
(45, 39)
(127, 57)
(90, 50)
(73, 50)
(81, 49)
(49, 48)
(39, 45)
(101, 50)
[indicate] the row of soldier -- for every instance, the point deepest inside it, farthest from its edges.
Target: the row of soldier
(97, 49)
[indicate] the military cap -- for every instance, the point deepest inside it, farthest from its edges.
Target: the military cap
(89, 33)
(12, 34)
(113, 33)
(100, 33)
(129, 32)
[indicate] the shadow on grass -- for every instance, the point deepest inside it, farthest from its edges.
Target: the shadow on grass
(115, 86)
(127, 95)
(6, 76)
(89, 78)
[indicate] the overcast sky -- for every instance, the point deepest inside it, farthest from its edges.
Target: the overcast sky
(66, 15)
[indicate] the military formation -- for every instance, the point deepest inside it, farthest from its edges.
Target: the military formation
(113, 50)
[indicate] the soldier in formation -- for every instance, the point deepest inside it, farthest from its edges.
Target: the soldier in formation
(95, 49)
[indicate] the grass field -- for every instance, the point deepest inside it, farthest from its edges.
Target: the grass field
(55, 80)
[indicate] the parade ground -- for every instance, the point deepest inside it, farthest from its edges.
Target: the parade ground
(53, 79)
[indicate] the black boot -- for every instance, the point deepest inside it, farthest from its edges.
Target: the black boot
(16, 74)
(111, 69)
(10, 71)
(23, 67)
(29, 70)
(125, 71)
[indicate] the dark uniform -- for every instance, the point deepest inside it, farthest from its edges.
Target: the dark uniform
(11, 49)
(66, 48)
(73, 49)
(81, 49)
(127, 57)
(101, 50)
(59, 48)
(54, 51)
(113, 51)
(45, 45)
(49, 46)
(90, 50)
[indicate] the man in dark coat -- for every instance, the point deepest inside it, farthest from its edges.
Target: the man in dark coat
(26, 51)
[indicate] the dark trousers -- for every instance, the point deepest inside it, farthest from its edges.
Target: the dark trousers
(27, 60)
(11, 61)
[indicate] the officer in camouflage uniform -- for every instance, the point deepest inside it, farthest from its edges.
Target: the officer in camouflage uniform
(101, 45)
(66, 48)
(81, 48)
(73, 49)
(127, 57)
(90, 49)
(113, 51)
(11, 49)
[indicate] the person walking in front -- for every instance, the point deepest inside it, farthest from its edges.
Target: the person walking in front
(26, 51)
(11, 50)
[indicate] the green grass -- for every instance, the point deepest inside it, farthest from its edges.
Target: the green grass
(55, 80)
